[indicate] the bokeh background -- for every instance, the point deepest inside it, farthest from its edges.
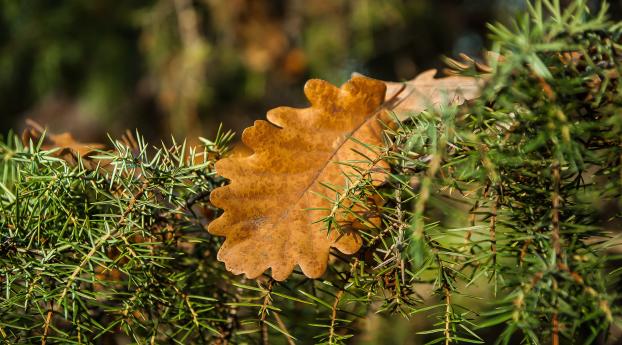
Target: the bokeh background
(182, 67)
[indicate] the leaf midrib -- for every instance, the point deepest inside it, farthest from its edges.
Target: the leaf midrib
(391, 103)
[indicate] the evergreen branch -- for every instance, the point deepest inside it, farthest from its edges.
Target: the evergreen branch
(333, 317)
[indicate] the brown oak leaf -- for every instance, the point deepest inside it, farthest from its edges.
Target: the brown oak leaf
(274, 200)
(267, 219)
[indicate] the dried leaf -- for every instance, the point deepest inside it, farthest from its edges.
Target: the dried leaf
(275, 198)
(267, 219)
(69, 148)
(425, 92)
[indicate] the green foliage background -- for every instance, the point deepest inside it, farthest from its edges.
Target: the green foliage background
(181, 66)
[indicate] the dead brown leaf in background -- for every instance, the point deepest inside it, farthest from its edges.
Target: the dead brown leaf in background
(425, 92)
(68, 147)
(267, 220)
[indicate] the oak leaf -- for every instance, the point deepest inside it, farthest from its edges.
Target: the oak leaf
(267, 219)
(425, 92)
(67, 147)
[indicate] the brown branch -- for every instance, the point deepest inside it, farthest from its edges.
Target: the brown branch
(186, 298)
(555, 336)
(523, 251)
(232, 320)
(333, 317)
(555, 237)
(79, 327)
(264, 307)
(555, 199)
(493, 232)
(284, 327)
(265, 340)
(267, 299)
(46, 326)
(475, 207)
(447, 315)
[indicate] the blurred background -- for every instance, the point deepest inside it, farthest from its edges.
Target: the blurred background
(182, 67)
